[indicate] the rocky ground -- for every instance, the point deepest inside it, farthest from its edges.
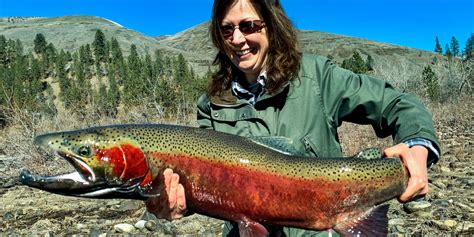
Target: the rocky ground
(447, 210)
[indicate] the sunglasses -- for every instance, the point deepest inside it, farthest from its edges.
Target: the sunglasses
(246, 27)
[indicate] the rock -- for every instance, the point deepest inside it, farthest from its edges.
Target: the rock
(396, 221)
(81, 226)
(140, 224)
(441, 184)
(129, 205)
(95, 232)
(416, 206)
(445, 225)
(441, 203)
(124, 228)
(49, 234)
(465, 227)
(113, 203)
(151, 225)
(444, 169)
(400, 229)
(450, 223)
(45, 225)
(8, 216)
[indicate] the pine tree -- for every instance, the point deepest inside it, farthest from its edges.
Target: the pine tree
(430, 81)
(40, 44)
(355, 63)
(116, 52)
(181, 69)
(158, 65)
(82, 89)
(454, 46)
(438, 48)
(117, 61)
(85, 57)
(64, 82)
(469, 49)
(448, 52)
(99, 46)
(113, 94)
(3, 50)
(35, 86)
(48, 58)
(133, 85)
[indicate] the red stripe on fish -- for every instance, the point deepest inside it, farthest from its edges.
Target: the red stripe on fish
(238, 192)
(128, 161)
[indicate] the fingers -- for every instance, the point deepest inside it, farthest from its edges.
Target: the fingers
(180, 207)
(175, 193)
(414, 159)
(396, 151)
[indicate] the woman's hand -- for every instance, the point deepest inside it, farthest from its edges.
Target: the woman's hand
(171, 204)
(414, 159)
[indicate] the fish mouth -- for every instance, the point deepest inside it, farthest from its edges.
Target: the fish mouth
(81, 181)
(84, 182)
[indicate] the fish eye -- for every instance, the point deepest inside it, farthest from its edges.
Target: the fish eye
(84, 151)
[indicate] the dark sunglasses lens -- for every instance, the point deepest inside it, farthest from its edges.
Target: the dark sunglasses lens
(227, 30)
(249, 27)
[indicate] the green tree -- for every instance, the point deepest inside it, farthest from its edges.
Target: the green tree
(82, 89)
(3, 50)
(469, 49)
(438, 48)
(158, 65)
(65, 85)
(47, 60)
(117, 61)
(355, 63)
(454, 46)
(40, 44)
(448, 52)
(134, 84)
(85, 57)
(34, 84)
(99, 45)
(431, 84)
(113, 94)
(182, 73)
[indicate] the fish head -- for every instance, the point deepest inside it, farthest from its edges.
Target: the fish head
(107, 164)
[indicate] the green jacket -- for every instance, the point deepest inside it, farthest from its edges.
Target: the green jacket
(309, 110)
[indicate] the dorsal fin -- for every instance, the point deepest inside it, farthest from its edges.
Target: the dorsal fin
(369, 154)
(278, 143)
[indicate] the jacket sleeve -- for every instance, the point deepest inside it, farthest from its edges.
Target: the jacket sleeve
(204, 112)
(363, 99)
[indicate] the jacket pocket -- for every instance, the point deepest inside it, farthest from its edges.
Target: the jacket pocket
(310, 147)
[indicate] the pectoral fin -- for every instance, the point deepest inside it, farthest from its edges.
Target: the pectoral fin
(372, 223)
(252, 229)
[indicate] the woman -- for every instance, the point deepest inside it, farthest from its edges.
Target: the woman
(265, 86)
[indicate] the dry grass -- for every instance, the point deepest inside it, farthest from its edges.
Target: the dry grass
(453, 121)
(17, 140)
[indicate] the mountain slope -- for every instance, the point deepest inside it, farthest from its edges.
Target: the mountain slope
(70, 32)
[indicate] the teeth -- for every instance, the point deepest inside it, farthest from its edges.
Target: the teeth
(242, 52)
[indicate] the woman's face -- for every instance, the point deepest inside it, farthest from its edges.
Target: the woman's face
(248, 52)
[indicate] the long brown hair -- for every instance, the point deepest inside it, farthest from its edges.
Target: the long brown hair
(284, 56)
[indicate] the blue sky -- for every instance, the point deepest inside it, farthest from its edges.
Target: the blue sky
(412, 23)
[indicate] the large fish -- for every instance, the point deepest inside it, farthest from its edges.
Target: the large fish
(227, 177)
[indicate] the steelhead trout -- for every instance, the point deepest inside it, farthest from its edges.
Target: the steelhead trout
(226, 177)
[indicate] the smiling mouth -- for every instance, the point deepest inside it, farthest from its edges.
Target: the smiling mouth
(244, 52)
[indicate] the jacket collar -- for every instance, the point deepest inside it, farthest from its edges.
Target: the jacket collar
(227, 99)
